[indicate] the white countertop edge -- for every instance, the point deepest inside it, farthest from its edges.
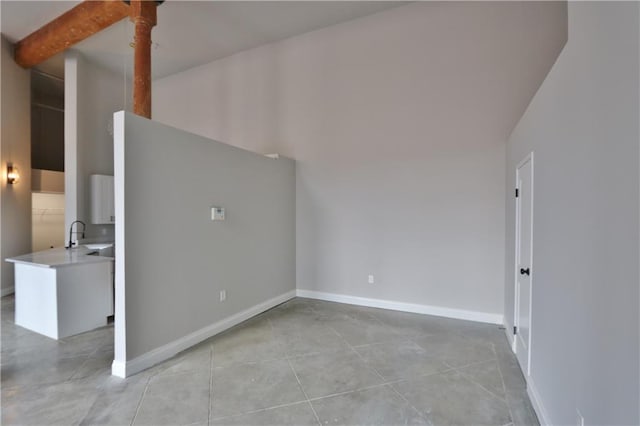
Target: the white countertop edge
(60, 257)
(91, 259)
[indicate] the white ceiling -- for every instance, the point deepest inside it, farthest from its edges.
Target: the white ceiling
(190, 33)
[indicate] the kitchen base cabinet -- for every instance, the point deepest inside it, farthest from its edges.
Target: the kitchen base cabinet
(61, 300)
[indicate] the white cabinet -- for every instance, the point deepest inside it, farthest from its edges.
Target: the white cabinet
(102, 200)
(62, 292)
(63, 301)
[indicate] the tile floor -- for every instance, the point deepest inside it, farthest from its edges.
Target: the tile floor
(305, 362)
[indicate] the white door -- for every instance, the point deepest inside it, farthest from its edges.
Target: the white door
(524, 228)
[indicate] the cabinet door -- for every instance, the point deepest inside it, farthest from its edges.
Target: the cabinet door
(102, 200)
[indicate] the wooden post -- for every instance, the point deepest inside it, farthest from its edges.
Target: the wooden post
(143, 15)
(73, 26)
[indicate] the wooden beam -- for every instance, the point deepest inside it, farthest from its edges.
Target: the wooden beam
(73, 26)
(143, 14)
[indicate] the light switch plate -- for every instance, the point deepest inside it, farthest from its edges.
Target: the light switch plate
(217, 213)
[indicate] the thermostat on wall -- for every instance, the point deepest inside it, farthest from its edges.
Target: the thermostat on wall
(217, 213)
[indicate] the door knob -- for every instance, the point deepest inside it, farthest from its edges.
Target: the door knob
(524, 271)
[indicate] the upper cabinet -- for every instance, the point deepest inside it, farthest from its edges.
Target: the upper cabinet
(102, 200)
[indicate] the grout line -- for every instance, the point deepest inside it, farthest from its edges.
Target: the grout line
(86, 357)
(314, 412)
(453, 367)
(308, 354)
(504, 386)
(234, 364)
(303, 391)
(318, 309)
(296, 375)
(384, 381)
(404, 339)
(410, 404)
(367, 364)
(418, 376)
(260, 410)
(80, 420)
(472, 380)
(339, 335)
(390, 382)
(146, 386)
(364, 388)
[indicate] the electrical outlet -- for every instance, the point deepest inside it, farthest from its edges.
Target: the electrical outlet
(371, 279)
(579, 418)
(223, 295)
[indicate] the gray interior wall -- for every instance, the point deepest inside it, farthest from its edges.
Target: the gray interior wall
(15, 143)
(176, 260)
(583, 127)
(92, 95)
(398, 122)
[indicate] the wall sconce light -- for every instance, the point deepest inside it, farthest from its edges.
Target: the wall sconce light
(12, 174)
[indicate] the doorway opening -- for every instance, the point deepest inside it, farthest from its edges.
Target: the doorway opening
(47, 160)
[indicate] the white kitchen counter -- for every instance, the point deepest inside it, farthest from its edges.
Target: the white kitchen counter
(62, 292)
(60, 257)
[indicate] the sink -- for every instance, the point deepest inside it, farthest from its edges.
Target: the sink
(100, 246)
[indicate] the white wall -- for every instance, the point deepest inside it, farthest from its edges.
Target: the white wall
(47, 181)
(583, 127)
(15, 143)
(47, 202)
(172, 261)
(47, 220)
(92, 95)
(398, 122)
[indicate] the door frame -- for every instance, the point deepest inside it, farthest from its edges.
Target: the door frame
(516, 305)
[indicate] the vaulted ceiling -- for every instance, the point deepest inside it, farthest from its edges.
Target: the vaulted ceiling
(190, 33)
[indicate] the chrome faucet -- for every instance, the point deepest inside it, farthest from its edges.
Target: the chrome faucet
(84, 225)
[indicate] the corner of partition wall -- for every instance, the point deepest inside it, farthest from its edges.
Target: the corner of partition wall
(118, 367)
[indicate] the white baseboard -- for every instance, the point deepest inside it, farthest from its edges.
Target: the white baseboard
(7, 291)
(532, 391)
(119, 369)
(404, 307)
(508, 330)
(536, 402)
(155, 356)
